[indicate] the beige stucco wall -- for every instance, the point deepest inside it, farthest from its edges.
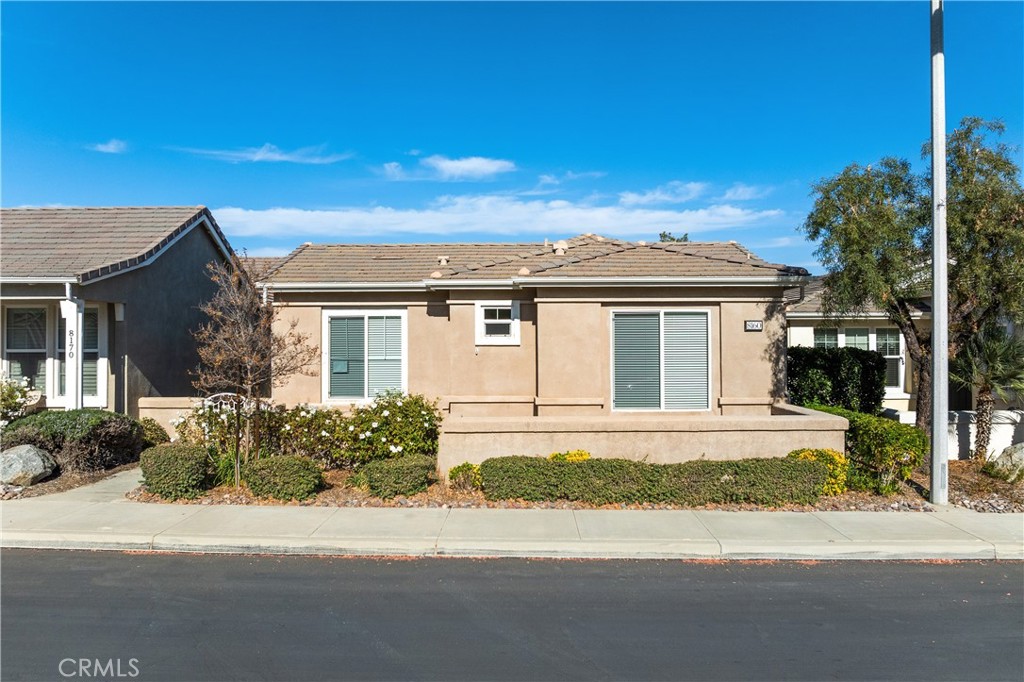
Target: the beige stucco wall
(653, 438)
(562, 365)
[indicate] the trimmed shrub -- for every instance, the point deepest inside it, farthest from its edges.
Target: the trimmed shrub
(404, 476)
(14, 397)
(465, 476)
(79, 440)
(850, 378)
(883, 450)
(835, 462)
(393, 426)
(287, 477)
(153, 433)
(570, 456)
(768, 481)
(175, 471)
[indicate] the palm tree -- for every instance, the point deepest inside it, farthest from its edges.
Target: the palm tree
(993, 365)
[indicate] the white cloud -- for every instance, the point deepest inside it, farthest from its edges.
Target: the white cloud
(550, 179)
(501, 215)
(675, 192)
(777, 242)
(742, 192)
(467, 168)
(270, 251)
(115, 146)
(270, 153)
(393, 171)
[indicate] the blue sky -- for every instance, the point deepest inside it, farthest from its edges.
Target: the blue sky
(393, 122)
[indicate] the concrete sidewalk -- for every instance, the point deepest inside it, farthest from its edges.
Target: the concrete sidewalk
(98, 516)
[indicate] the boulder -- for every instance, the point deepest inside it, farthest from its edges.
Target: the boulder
(25, 465)
(1010, 463)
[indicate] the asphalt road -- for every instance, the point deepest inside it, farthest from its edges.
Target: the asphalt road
(186, 617)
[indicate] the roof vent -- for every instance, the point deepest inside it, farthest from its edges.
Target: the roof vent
(523, 272)
(442, 260)
(559, 247)
(642, 243)
(435, 275)
(307, 243)
(598, 237)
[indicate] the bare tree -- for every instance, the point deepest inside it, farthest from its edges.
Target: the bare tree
(241, 352)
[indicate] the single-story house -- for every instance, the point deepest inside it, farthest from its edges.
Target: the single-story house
(870, 329)
(97, 305)
(660, 350)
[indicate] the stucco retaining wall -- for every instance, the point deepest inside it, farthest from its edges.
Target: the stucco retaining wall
(163, 410)
(654, 438)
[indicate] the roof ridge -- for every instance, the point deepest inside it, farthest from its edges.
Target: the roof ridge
(277, 266)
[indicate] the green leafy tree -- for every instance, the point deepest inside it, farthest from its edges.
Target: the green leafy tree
(873, 228)
(992, 364)
(669, 237)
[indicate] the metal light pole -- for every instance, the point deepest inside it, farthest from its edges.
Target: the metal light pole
(940, 292)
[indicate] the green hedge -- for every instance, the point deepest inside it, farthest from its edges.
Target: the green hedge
(767, 481)
(883, 450)
(850, 378)
(175, 471)
(405, 476)
(287, 477)
(79, 440)
(153, 433)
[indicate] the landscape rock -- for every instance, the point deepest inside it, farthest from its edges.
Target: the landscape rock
(24, 465)
(1010, 463)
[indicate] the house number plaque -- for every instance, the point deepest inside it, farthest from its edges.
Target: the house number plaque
(753, 326)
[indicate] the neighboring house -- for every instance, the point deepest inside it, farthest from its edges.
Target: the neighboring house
(97, 304)
(626, 348)
(869, 329)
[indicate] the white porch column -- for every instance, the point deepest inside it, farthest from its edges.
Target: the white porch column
(72, 310)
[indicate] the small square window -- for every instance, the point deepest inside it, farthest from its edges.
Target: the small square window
(497, 323)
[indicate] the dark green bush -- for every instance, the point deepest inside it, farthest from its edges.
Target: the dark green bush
(287, 477)
(153, 433)
(405, 476)
(767, 481)
(175, 471)
(850, 378)
(79, 440)
(882, 450)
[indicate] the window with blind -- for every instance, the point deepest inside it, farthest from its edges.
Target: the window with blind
(25, 345)
(660, 360)
(888, 344)
(826, 337)
(365, 353)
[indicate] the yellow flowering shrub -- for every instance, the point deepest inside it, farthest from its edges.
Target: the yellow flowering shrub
(570, 456)
(835, 462)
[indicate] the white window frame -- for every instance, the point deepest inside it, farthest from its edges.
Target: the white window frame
(481, 337)
(661, 358)
(325, 350)
(891, 392)
(102, 362)
(53, 355)
(840, 336)
(898, 392)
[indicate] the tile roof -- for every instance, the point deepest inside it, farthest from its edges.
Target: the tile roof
(85, 243)
(584, 256)
(811, 302)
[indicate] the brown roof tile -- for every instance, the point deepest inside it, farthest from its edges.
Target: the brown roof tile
(585, 256)
(85, 243)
